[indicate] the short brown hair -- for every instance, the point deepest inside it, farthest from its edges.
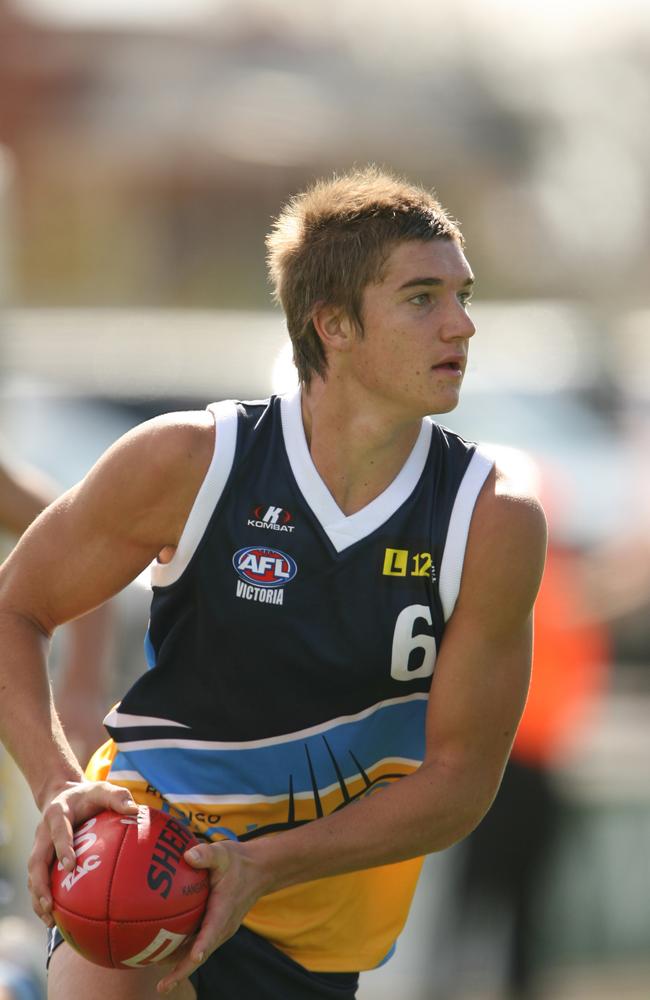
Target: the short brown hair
(333, 240)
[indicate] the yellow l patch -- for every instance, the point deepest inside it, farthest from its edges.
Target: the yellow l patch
(395, 562)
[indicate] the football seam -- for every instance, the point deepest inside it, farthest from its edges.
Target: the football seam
(125, 833)
(130, 920)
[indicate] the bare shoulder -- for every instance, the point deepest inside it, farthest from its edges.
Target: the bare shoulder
(150, 477)
(132, 505)
(509, 499)
(506, 547)
(172, 448)
(171, 440)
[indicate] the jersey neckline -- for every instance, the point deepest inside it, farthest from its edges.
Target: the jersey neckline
(342, 529)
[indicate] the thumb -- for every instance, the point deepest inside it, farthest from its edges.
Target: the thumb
(120, 800)
(209, 856)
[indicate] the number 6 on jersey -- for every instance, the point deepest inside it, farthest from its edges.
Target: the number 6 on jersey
(405, 642)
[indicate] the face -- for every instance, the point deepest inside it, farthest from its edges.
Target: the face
(414, 348)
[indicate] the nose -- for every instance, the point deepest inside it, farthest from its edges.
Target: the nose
(458, 323)
(469, 326)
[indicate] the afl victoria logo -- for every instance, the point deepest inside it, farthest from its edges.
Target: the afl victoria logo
(264, 567)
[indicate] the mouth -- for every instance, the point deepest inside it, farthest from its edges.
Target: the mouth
(453, 366)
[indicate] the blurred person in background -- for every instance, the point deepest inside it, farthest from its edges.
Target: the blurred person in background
(317, 655)
(499, 873)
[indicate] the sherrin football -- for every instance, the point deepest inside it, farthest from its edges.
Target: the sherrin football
(132, 899)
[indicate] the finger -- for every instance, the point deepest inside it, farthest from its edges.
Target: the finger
(214, 856)
(117, 798)
(58, 822)
(41, 904)
(183, 970)
(213, 932)
(43, 914)
(207, 941)
(219, 923)
(91, 797)
(41, 898)
(79, 803)
(39, 875)
(55, 833)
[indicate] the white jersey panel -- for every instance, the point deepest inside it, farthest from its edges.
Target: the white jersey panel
(225, 418)
(451, 569)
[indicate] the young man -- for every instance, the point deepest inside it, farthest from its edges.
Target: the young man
(340, 631)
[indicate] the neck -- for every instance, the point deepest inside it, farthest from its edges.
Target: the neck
(358, 450)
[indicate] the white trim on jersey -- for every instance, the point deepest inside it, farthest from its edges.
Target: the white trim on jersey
(115, 718)
(343, 530)
(225, 418)
(127, 776)
(269, 741)
(453, 557)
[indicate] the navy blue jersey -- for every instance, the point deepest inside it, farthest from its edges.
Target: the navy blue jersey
(292, 647)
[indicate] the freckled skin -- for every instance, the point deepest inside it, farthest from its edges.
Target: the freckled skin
(407, 331)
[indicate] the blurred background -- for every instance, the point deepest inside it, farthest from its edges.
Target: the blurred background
(144, 150)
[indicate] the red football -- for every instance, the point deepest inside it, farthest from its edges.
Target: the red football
(132, 899)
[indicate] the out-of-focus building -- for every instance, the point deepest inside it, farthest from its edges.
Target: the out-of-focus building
(151, 158)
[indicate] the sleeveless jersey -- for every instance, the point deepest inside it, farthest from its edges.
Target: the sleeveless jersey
(291, 650)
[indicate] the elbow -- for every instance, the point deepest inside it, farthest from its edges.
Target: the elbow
(458, 808)
(472, 817)
(463, 822)
(15, 623)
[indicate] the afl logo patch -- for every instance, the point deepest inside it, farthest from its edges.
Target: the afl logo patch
(264, 567)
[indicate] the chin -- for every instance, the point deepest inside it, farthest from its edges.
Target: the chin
(444, 406)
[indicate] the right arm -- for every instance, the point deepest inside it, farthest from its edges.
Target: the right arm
(82, 675)
(79, 552)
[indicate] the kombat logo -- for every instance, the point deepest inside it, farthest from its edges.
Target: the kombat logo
(271, 518)
(262, 572)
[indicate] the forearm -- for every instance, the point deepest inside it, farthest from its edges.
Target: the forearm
(425, 812)
(29, 726)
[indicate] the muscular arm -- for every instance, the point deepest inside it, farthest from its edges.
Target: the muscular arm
(80, 551)
(82, 677)
(477, 697)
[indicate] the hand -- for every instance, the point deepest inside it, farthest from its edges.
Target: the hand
(74, 803)
(236, 883)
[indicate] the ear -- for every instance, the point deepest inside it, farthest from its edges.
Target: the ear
(334, 327)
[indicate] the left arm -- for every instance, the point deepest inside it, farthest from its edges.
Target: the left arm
(477, 697)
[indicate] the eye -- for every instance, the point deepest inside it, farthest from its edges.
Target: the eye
(465, 298)
(422, 299)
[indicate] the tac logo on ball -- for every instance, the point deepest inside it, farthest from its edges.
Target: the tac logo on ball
(131, 899)
(264, 567)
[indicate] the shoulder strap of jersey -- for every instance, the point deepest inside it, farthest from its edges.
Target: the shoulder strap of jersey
(225, 418)
(453, 557)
